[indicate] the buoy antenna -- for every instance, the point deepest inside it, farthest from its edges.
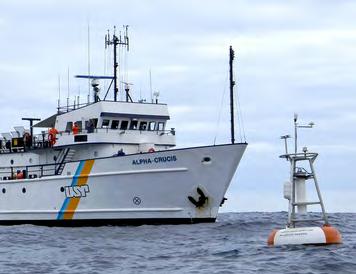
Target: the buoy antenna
(285, 138)
(296, 126)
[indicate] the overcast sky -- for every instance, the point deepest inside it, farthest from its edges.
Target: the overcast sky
(291, 56)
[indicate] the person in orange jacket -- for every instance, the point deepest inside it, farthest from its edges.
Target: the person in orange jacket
(75, 128)
(52, 134)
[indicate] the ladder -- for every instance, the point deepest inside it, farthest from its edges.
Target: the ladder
(66, 155)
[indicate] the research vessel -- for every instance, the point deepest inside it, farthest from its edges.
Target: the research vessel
(111, 162)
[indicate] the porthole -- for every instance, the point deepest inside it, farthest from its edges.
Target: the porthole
(95, 154)
(30, 160)
(62, 189)
(4, 190)
(12, 161)
(23, 190)
(206, 160)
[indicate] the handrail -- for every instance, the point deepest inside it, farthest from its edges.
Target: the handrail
(28, 172)
(40, 140)
(113, 130)
(60, 163)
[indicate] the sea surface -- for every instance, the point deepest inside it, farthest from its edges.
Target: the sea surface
(236, 243)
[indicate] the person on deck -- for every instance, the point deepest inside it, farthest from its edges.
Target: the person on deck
(52, 135)
(75, 128)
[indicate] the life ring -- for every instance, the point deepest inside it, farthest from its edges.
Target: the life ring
(51, 138)
(19, 175)
(151, 150)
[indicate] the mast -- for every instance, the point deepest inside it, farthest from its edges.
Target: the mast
(232, 83)
(115, 41)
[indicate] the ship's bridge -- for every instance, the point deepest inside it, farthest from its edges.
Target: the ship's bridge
(113, 123)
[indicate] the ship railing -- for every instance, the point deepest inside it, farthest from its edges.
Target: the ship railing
(120, 131)
(27, 172)
(68, 108)
(41, 140)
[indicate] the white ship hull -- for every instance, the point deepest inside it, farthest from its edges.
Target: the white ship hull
(131, 189)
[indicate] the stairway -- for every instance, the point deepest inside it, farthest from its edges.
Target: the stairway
(66, 155)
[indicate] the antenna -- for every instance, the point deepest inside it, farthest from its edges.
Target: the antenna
(296, 126)
(285, 137)
(88, 61)
(59, 93)
(151, 86)
(78, 93)
(117, 41)
(68, 81)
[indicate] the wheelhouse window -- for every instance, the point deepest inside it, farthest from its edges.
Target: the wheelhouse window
(151, 126)
(89, 126)
(69, 126)
(143, 125)
(124, 125)
(160, 126)
(115, 124)
(80, 125)
(133, 125)
(105, 123)
(95, 122)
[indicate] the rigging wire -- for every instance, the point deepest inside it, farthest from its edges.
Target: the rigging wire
(105, 64)
(239, 114)
(109, 64)
(220, 109)
(125, 68)
(120, 74)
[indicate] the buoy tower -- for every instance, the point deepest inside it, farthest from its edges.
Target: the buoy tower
(302, 172)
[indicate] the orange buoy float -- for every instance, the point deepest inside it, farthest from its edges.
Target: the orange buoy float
(302, 169)
(313, 235)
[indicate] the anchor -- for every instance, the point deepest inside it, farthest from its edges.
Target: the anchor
(201, 200)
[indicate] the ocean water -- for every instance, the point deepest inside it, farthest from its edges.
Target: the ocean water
(236, 243)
